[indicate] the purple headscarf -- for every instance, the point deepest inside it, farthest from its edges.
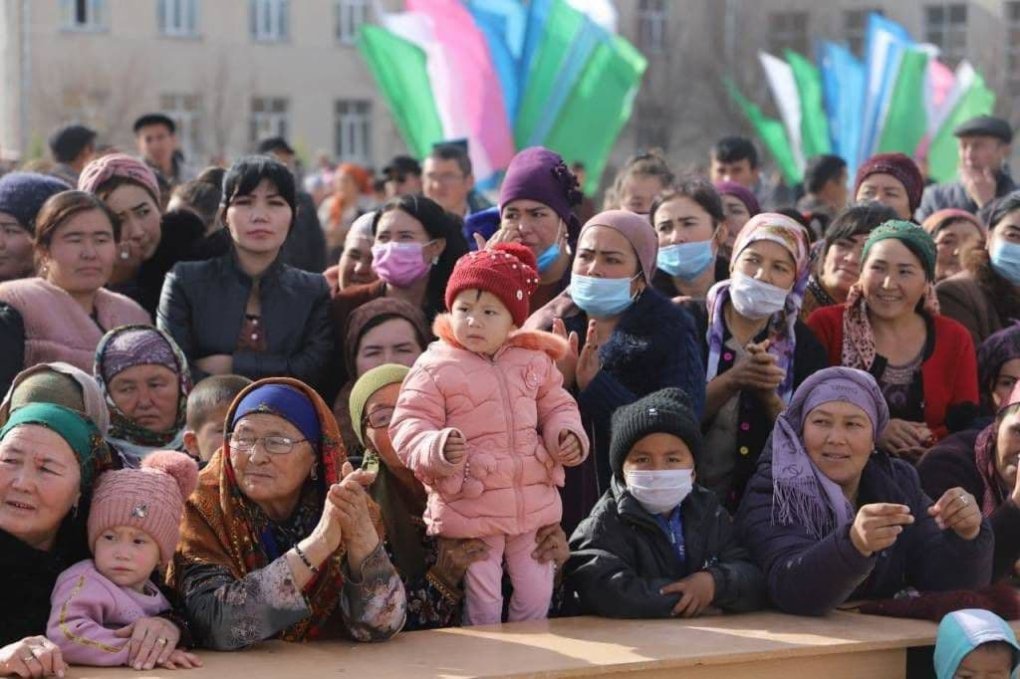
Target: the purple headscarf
(801, 494)
(741, 193)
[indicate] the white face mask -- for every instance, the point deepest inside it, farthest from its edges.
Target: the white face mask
(661, 490)
(753, 298)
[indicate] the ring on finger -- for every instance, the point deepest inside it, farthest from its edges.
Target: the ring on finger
(162, 641)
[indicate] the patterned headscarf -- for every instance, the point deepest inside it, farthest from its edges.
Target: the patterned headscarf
(802, 494)
(858, 338)
(129, 346)
(781, 328)
(222, 527)
(114, 165)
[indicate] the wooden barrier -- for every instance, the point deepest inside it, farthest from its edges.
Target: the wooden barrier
(763, 645)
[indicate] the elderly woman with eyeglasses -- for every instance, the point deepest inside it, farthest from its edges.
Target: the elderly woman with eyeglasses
(279, 541)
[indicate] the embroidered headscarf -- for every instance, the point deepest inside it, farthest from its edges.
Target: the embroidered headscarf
(781, 326)
(133, 345)
(222, 527)
(858, 339)
(802, 494)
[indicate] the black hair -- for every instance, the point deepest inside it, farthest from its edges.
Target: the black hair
(698, 189)
(248, 172)
(649, 164)
(273, 144)
(452, 152)
(1001, 208)
(438, 223)
(155, 119)
(210, 394)
(857, 220)
(735, 149)
(202, 197)
(69, 141)
(821, 170)
(212, 175)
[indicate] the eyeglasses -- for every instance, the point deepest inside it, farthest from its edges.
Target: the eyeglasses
(274, 445)
(379, 418)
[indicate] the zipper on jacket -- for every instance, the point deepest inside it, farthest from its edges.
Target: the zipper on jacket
(518, 465)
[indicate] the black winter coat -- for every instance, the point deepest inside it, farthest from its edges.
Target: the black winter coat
(620, 558)
(203, 306)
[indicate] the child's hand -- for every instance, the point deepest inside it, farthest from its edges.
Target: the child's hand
(455, 449)
(571, 452)
(697, 591)
(181, 660)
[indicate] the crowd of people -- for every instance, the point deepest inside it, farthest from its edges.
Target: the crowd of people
(242, 407)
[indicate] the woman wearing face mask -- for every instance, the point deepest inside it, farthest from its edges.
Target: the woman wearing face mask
(829, 519)
(757, 351)
(536, 202)
(689, 224)
(890, 326)
(416, 246)
(626, 340)
(248, 313)
(657, 545)
(985, 296)
(739, 205)
(839, 263)
(984, 463)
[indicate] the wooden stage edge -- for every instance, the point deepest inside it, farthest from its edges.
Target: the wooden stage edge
(765, 645)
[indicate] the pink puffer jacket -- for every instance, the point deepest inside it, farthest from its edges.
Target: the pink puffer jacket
(510, 410)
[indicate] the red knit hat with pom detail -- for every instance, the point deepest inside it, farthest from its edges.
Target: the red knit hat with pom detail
(507, 270)
(149, 499)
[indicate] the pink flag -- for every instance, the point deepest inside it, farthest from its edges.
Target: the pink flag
(936, 99)
(477, 92)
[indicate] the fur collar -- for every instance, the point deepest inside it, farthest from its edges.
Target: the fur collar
(535, 340)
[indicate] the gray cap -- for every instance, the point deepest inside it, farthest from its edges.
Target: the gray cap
(987, 126)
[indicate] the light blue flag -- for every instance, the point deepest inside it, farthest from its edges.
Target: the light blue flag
(885, 42)
(503, 24)
(590, 36)
(534, 30)
(843, 81)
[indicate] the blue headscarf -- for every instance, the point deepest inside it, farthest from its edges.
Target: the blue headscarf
(285, 402)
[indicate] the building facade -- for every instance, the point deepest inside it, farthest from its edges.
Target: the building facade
(232, 71)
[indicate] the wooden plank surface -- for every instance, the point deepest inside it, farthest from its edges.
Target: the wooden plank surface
(771, 644)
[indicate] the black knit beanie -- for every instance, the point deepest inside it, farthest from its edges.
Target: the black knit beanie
(667, 411)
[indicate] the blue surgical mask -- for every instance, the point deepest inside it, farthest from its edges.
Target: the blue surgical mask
(548, 257)
(1005, 258)
(601, 297)
(686, 260)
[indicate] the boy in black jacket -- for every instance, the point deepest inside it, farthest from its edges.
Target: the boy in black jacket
(656, 545)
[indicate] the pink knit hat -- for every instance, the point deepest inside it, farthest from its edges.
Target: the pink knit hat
(150, 499)
(110, 166)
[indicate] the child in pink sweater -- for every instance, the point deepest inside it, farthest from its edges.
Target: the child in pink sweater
(133, 527)
(484, 422)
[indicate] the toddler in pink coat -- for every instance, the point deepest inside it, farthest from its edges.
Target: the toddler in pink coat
(133, 527)
(484, 422)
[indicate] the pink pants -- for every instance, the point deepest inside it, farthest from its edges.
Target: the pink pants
(532, 581)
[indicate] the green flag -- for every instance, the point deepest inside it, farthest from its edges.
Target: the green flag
(399, 68)
(906, 118)
(942, 154)
(559, 33)
(771, 133)
(598, 107)
(814, 124)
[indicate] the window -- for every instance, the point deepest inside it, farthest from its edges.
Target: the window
(269, 19)
(268, 118)
(855, 28)
(177, 18)
(84, 15)
(186, 111)
(788, 30)
(652, 26)
(1013, 47)
(945, 25)
(354, 131)
(350, 14)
